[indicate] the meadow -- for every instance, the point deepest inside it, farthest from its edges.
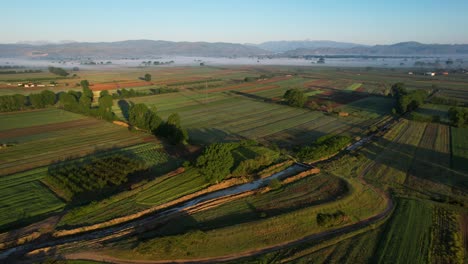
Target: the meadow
(27, 198)
(51, 134)
(419, 167)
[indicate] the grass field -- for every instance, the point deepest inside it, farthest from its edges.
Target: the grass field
(156, 192)
(27, 197)
(36, 118)
(407, 235)
(250, 235)
(421, 166)
(459, 148)
(220, 116)
(24, 197)
(39, 140)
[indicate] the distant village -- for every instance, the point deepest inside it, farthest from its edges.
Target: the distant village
(31, 85)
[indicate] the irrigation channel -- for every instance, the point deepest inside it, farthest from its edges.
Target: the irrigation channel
(145, 222)
(128, 228)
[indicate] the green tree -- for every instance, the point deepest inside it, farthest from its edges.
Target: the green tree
(173, 130)
(136, 115)
(36, 101)
(85, 102)
(295, 97)
(86, 90)
(216, 161)
(106, 102)
(58, 71)
(104, 93)
(48, 97)
(147, 77)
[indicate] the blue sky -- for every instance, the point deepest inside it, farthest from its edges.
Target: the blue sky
(252, 21)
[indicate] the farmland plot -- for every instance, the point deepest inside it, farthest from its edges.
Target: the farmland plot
(36, 146)
(459, 148)
(25, 197)
(407, 235)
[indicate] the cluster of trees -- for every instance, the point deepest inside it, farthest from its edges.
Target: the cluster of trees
(173, 130)
(15, 72)
(81, 102)
(330, 219)
(253, 164)
(407, 101)
(218, 161)
(94, 173)
(58, 71)
(18, 102)
(124, 93)
(140, 116)
(149, 63)
(295, 97)
(323, 147)
(458, 116)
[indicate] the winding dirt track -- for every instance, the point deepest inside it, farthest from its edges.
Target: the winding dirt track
(143, 224)
(323, 235)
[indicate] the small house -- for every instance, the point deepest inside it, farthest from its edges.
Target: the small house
(343, 114)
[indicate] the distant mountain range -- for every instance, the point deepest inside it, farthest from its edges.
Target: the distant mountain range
(148, 48)
(284, 45)
(129, 49)
(399, 49)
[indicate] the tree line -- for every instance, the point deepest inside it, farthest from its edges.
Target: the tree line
(17, 102)
(124, 93)
(458, 116)
(323, 147)
(81, 102)
(58, 71)
(217, 161)
(407, 101)
(142, 117)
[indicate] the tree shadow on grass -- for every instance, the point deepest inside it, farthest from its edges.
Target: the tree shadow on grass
(124, 107)
(211, 135)
(420, 162)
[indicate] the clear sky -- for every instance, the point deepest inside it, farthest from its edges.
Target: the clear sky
(241, 21)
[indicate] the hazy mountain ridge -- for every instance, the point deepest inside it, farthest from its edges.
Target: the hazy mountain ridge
(286, 45)
(145, 48)
(403, 48)
(130, 48)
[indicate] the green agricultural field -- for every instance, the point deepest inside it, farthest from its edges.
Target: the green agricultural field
(353, 87)
(407, 235)
(159, 191)
(35, 118)
(358, 249)
(369, 107)
(24, 197)
(37, 200)
(268, 231)
(392, 156)
(223, 116)
(459, 148)
(43, 141)
(430, 110)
